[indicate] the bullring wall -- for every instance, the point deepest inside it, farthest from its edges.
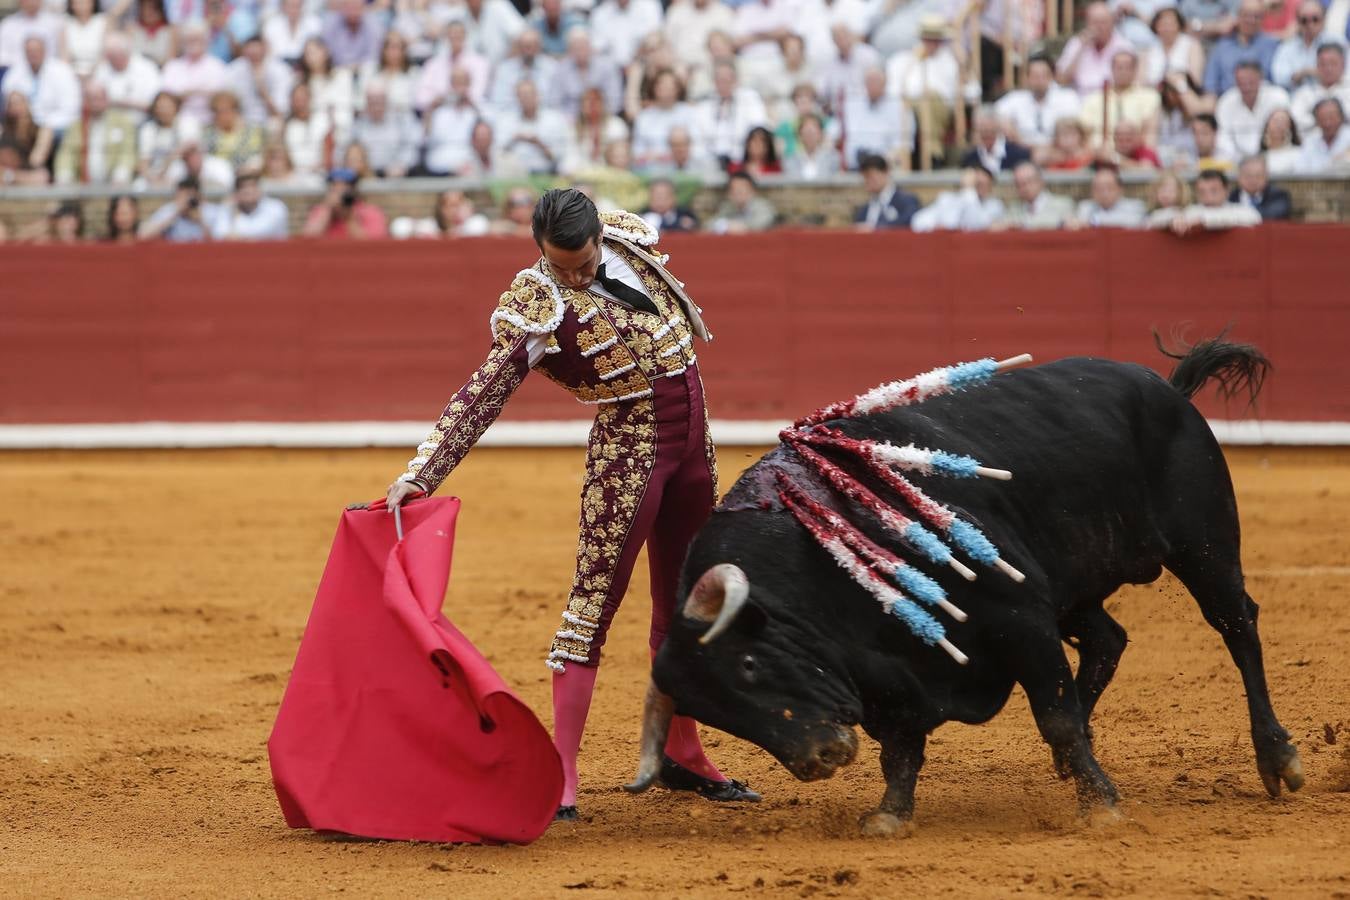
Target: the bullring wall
(328, 332)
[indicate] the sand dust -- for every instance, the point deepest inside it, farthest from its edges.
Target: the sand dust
(152, 604)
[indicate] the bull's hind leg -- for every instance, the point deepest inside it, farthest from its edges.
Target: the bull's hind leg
(1100, 641)
(1217, 586)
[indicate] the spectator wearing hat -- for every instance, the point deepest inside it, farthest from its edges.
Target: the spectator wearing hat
(1029, 114)
(343, 214)
(991, 148)
(743, 209)
(250, 215)
(1243, 109)
(1108, 207)
(972, 208)
(928, 80)
(887, 205)
(1326, 146)
(1122, 100)
(1035, 208)
(1255, 190)
(184, 219)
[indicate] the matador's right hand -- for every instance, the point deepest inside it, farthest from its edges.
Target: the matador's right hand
(398, 494)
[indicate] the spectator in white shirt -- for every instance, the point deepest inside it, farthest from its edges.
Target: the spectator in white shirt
(618, 26)
(82, 36)
(528, 63)
(1085, 63)
(214, 173)
(760, 26)
(973, 208)
(196, 75)
(581, 71)
(394, 73)
(877, 124)
(1327, 146)
(492, 27)
(534, 137)
(151, 34)
(1029, 114)
(688, 24)
(1328, 81)
(723, 120)
(665, 111)
(1175, 53)
(594, 127)
(434, 81)
(1212, 210)
(309, 134)
(249, 215)
(816, 18)
(1295, 61)
(841, 79)
(1243, 109)
(388, 134)
(50, 85)
(130, 80)
(450, 127)
(814, 157)
(1280, 144)
(288, 28)
(160, 137)
(331, 89)
(1109, 207)
(261, 82)
(29, 19)
(928, 80)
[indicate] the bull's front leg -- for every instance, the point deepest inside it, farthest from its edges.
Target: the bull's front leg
(901, 759)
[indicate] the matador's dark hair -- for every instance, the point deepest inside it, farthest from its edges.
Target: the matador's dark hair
(566, 218)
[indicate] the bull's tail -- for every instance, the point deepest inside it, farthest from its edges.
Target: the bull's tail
(1239, 368)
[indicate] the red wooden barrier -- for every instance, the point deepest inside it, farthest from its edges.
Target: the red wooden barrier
(306, 331)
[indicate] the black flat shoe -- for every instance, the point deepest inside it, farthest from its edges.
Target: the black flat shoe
(677, 778)
(565, 814)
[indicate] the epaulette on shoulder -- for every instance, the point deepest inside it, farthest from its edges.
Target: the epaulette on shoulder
(632, 228)
(533, 304)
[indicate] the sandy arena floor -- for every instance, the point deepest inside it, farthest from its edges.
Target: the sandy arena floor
(152, 605)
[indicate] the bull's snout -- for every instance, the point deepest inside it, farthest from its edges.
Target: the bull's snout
(824, 755)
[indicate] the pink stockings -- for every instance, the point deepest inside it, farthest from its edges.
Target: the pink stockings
(572, 701)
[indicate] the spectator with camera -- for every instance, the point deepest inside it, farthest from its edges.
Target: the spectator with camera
(343, 214)
(185, 219)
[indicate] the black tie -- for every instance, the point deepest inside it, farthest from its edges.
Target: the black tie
(630, 296)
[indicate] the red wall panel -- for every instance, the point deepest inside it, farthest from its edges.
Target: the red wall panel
(307, 331)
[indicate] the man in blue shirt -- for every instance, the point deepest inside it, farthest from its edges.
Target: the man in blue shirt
(1296, 61)
(1247, 42)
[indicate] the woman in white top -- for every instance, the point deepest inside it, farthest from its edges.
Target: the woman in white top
(310, 136)
(1280, 144)
(160, 136)
(664, 111)
(82, 36)
(287, 29)
(151, 34)
(331, 91)
(1176, 50)
(595, 127)
(394, 72)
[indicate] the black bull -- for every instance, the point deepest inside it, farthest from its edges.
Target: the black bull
(1115, 477)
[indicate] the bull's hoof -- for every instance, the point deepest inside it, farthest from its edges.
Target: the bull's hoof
(1286, 768)
(1103, 815)
(884, 824)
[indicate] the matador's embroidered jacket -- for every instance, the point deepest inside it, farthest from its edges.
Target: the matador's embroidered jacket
(606, 354)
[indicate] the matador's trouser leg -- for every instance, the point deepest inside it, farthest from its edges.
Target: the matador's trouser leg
(648, 480)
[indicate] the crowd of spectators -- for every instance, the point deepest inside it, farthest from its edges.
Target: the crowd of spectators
(632, 96)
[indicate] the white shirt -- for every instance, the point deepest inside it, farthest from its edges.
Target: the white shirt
(1305, 98)
(756, 16)
(958, 211)
(687, 28)
(195, 81)
(84, 42)
(815, 19)
(510, 72)
(269, 221)
(448, 136)
(720, 126)
(16, 28)
(493, 32)
(53, 93)
(548, 125)
(285, 42)
(1240, 127)
(617, 31)
(842, 79)
(134, 86)
(1319, 156)
(1033, 121)
(277, 80)
(910, 78)
(304, 141)
(1159, 63)
(652, 128)
(880, 128)
(216, 173)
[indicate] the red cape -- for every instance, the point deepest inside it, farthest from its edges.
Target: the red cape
(393, 724)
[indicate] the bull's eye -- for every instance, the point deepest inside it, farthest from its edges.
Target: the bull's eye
(748, 666)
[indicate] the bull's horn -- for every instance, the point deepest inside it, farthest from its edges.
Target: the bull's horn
(717, 598)
(657, 711)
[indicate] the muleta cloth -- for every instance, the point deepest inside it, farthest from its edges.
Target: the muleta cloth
(393, 725)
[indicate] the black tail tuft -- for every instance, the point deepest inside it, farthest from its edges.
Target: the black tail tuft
(1239, 368)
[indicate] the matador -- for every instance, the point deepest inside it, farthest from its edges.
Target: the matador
(600, 315)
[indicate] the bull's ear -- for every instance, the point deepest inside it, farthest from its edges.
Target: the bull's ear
(718, 598)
